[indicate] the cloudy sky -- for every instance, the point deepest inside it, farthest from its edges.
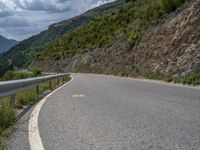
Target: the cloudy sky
(19, 19)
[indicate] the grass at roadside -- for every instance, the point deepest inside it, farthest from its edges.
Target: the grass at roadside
(27, 97)
(193, 79)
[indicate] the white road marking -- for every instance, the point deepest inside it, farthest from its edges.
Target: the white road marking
(78, 95)
(33, 131)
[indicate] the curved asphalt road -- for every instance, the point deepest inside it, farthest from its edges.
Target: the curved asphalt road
(97, 112)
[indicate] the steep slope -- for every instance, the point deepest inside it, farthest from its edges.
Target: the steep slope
(170, 46)
(23, 53)
(6, 44)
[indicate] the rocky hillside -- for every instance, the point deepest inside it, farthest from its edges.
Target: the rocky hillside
(168, 44)
(172, 48)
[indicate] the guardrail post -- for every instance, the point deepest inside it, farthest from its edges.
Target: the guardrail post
(12, 100)
(63, 80)
(50, 85)
(58, 82)
(37, 90)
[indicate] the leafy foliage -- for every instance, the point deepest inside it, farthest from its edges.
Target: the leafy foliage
(12, 75)
(37, 72)
(133, 36)
(27, 96)
(7, 117)
(170, 5)
(193, 79)
(127, 20)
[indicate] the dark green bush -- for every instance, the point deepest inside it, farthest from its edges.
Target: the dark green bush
(37, 72)
(26, 97)
(170, 5)
(133, 36)
(7, 117)
(9, 75)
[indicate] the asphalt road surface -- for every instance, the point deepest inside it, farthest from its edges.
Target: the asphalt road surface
(97, 112)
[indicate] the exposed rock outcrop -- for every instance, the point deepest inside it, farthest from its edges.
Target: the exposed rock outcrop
(170, 48)
(174, 47)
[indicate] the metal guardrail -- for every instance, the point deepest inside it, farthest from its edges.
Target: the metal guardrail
(10, 88)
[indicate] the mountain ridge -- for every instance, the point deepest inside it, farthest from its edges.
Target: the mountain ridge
(23, 53)
(6, 44)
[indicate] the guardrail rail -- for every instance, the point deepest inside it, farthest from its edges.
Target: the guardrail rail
(11, 88)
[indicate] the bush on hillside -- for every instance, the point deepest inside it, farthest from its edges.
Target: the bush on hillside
(9, 75)
(133, 36)
(37, 72)
(170, 5)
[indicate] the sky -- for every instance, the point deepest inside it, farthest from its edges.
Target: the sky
(20, 19)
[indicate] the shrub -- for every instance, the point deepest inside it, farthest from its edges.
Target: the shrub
(9, 75)
(27, 96)
(21, 76)
(132, 38)
(7, 117)
(37, 72)
(170, 5)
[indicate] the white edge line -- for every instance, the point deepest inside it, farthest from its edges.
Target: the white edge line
(33, 131)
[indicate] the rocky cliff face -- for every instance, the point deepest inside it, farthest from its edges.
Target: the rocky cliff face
(170, 48)
(173, 47)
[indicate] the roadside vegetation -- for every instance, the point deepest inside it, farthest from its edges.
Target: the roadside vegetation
(8, 113)
(193, 79)
(14, 75)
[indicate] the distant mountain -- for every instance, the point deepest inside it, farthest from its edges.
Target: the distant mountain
(6, 44)
(23, 53)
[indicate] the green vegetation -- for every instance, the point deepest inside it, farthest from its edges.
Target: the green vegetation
(7, 117)
(26, 97)
(23, 53)
(133, 36)
(127, 21)
(193, 79)
(37, 72)
(12, 75)
(96, 28)
(171, 5)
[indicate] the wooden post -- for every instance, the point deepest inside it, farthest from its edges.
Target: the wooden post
(12, 100)
(50, 85)
(58, 82)
(37, 90)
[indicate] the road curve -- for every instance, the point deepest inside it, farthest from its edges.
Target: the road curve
(104, 112)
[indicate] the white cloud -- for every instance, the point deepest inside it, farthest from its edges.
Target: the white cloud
(101, 3)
